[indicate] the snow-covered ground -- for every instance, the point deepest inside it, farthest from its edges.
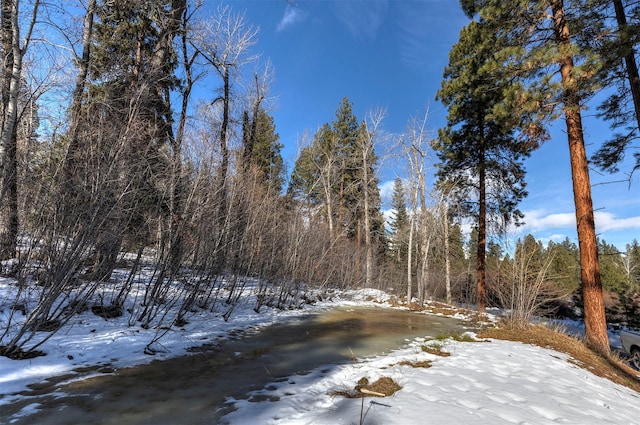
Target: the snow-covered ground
(495, 382)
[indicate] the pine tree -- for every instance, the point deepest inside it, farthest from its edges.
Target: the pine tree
(331, 174)
(479, 151)
(633, 259)
(346, 133)
(120, 165)
(565, 266)
(265, 152)
(615, 24)
(399, 224)
(303, 185)
(533, 42)
(611, 268)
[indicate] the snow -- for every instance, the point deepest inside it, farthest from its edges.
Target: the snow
(497, 382)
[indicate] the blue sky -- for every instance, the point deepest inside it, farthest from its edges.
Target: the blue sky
(390, 54)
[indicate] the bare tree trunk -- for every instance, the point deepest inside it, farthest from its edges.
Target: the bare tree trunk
(482, 239)
(221, 186)
(412, 226)
(176, 19)
(447, 251)
(12, 67)
(76, 102)
(368, 277)
(595, 320)
(367, 147)
(425, 238)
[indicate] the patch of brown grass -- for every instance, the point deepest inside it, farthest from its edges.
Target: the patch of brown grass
(435, 350)
(611, 367)
(460, 337)
(416, 307)
(383, 385)
(425, 363)
(436, 307)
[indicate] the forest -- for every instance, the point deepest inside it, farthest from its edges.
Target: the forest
(114, 160)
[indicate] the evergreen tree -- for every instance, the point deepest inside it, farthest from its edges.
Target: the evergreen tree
(346, 132)
(532, 46)
(399, 224)
(331, 174)
(303, 185)
(565, 265)
(479, 150)
(633, 269)
(266, 156)
(120, 164)
(614, 30)
(611, 268)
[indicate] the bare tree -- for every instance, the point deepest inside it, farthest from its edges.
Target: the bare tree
(366, 146)
(526, 290)
(14, 49)
(223, 42)
(414, 145)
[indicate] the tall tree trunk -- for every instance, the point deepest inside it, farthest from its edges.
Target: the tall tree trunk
(629, 60)
(410, 258)
(13, 55)
(595, 320)
(8, 138)
(221, 187)
(481, 261)
(425, 238)
(328, 196)
(171, 27)
(368, 277)
(76, 102)
(176, 249)
(447, 250)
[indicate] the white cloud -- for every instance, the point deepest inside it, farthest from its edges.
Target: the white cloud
(292, 15)
(386, 191)
(540, 220)
(362, 18)
(607, 222)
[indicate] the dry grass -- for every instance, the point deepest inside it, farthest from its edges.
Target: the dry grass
(612, 367)
(384, 385)
(436, 307)
(424, 364)
(436, 350)
(459, 337)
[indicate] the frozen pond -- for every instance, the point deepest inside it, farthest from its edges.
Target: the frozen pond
(193, 389)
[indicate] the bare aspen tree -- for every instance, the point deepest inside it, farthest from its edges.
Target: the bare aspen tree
(410, 247)
(14, 49)
(223, 42)
(326, 166)
(366, 145)
(442, 211)
(414, 146)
